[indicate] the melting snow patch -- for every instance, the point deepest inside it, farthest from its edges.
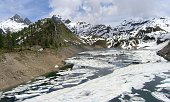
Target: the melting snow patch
(164, 85)
(160, 96)
(166, 80)
(56, 66)
(40, 50)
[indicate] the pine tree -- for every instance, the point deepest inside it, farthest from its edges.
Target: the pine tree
(1, 41)
(9, 41)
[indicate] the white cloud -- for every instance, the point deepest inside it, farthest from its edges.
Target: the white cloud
(84, 10)
(93, 11)
(108, 11)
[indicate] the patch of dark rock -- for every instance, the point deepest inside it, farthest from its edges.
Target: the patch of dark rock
(7, 99)
(168, 73)
(159, 40)
(165, 52)
(136, 24)
(67, 66)
(136, 62)
(148, 38)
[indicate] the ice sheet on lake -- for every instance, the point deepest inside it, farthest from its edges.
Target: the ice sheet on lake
(91, 63)
(107, 87)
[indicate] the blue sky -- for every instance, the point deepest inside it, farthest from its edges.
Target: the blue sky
(32, 9)
(93, 11)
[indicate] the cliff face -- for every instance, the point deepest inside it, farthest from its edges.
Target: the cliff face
(165, 52)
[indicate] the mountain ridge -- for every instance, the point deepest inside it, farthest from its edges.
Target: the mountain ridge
(127, 35)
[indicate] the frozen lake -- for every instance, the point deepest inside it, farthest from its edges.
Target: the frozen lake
(122, 75)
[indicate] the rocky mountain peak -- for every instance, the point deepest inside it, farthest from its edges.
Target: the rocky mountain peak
(27, 21)
(57, 19)
(17, 18)
(1, 31)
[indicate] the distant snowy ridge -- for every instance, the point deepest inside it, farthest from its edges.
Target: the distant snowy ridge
(127, 35)
(14, 24)
(133, 32)
(84, 28)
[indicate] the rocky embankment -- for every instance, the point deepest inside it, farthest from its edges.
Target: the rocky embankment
(19, 67)
(165, 52)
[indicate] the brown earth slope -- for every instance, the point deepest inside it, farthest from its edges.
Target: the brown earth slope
(19, 67)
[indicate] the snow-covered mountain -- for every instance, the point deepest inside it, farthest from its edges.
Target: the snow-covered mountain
(84, 28)
(88, 33)
(128, 34)
(134, 32)
(14, 24)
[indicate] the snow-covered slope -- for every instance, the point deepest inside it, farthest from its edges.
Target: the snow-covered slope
(84, 28)
(133, 32)
(88, 33)
(14, 24)
(140, 27)
(126, 35)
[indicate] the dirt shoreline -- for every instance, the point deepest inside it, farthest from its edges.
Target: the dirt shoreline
(19, 67)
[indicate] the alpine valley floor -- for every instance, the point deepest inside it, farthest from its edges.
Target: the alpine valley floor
(143, 77)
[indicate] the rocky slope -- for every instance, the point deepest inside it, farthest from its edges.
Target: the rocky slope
(19, 67)
(165, 52)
